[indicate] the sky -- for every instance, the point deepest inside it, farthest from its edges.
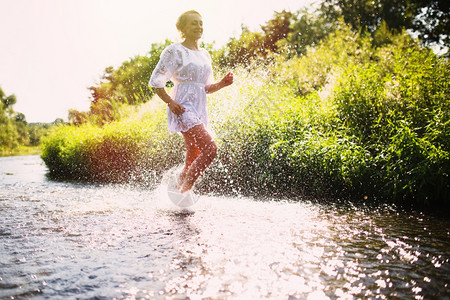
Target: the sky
(51, 51)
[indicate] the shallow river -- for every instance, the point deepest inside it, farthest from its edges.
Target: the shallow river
(62, 240)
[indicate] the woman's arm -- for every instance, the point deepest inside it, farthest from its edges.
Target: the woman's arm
(174, 107)
(226, 81)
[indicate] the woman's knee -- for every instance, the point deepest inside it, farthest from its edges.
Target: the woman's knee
(199, 138)
(212, 150)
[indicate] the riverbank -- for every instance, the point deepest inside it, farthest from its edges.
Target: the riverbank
(23, 150)
(348, 121)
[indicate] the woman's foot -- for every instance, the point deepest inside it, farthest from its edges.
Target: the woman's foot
(177, 184)
(184, 189)
(185, 186)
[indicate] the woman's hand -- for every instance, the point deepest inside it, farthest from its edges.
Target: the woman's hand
(175, 107)
(227, 80)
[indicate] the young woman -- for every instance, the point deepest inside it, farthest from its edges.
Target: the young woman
(189, 67)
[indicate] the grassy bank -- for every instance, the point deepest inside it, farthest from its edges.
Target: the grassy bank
(22, 150)
(134, 150)
(348, 120)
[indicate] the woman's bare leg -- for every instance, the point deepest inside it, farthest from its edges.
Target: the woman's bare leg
(199, 138)
(192, 152)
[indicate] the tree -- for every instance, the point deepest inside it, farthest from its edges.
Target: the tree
(78, 117)
(243, 50)
(127, 84)
(36, 131)
(277, 29)
(21, 125)
(7, 102)
(8, 131)
(58, 121)
(307, 30)
(15, 131)
(432, 23)
(428, 18)
(252, 46)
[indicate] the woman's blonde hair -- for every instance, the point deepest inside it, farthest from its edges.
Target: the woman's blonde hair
(182, 19)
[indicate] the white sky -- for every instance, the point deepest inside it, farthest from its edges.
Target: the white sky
(52, 50)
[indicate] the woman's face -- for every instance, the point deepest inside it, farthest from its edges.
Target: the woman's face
(194, 27)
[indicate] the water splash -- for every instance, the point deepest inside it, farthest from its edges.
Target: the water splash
(61, 240)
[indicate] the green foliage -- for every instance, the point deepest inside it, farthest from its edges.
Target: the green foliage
(280, 144)
(351, 118)
(363, 122)
(8, 134)
(307, 30)
(15, 132)
(428, 18)
(245, 49)
(257, 47)
(395, 106)
(36, 131)
(311, 73)
(78, 117)
(125, 85)
(277, 29)
(133, 150)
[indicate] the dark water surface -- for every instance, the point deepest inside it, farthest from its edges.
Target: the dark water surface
(76, 241)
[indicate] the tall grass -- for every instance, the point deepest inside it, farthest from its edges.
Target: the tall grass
(348, 120)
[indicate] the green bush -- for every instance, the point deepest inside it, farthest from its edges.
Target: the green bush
(397, 106)
(130, 151)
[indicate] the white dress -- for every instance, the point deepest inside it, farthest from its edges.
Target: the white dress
(191, 73)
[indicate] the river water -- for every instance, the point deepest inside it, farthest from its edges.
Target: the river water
(61, 240)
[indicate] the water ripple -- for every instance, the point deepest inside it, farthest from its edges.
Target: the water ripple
(69, 240)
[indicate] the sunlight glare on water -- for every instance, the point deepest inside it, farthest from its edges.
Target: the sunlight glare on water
(73, 240)
(247, 247)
